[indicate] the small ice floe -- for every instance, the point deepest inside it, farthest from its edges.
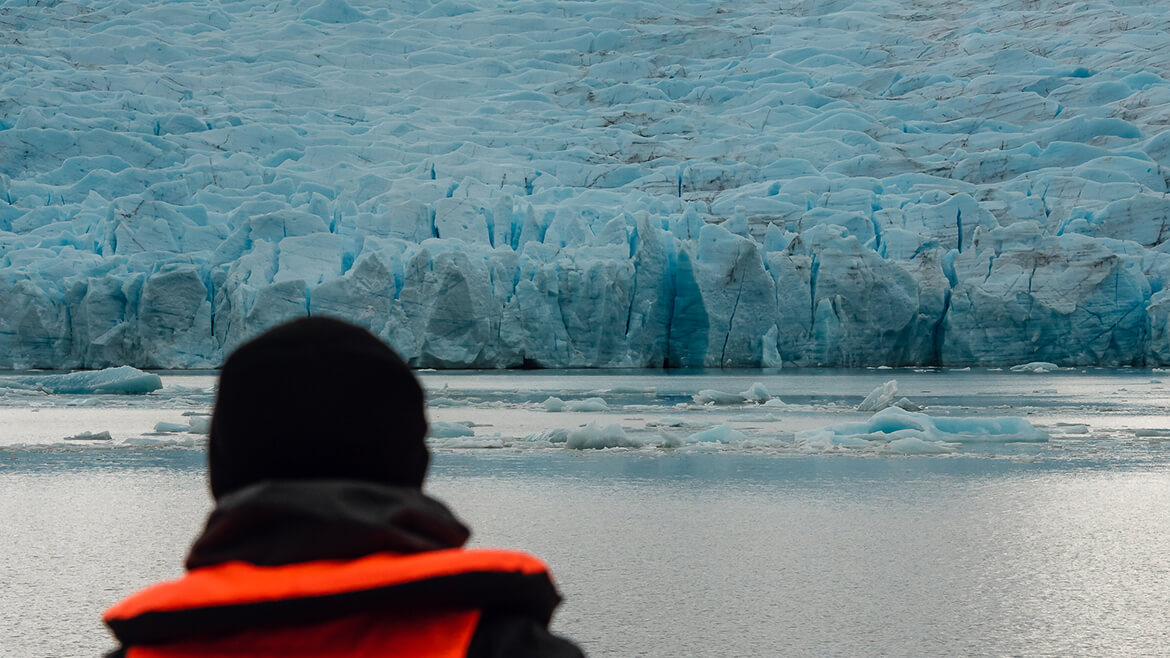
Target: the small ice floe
(592, 437)
(439, 429)
(200, 424)
(558, 435)
(555, 404)
(712, 396)
(164, 427)
(757, 393)
(912, 445)
(1151, 433)
(443, 402)
(886, 428)
(159, 442)
(588, 404)
(122, 380)
(883, 396)
(668, 421)
(176, 390)
(90, 436)
(473, 443)
(1035, 366)
(718, 434)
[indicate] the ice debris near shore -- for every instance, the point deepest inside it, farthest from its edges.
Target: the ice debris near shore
(898, 430)
(122, 380)
(611, 184)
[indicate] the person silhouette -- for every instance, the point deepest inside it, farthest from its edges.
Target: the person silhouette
(321, 541)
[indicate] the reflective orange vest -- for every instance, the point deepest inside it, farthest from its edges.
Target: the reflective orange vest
(422, 604)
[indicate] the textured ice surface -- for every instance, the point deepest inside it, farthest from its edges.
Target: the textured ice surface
(600, 184)
(880, 398)
(1095, 415)
(121, 380)
(909, 432)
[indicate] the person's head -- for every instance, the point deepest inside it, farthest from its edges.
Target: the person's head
(316, 398)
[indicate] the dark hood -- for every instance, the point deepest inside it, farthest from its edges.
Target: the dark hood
(287, 521)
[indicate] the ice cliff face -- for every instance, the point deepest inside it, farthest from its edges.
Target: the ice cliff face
(596, 184)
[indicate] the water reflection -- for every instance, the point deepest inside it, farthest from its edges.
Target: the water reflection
(683, 554)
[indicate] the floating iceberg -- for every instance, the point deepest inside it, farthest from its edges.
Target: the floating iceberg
(444, 430)
(588, 404)
(123, 380)
(712, 396)
(718, 434)
(883, 397)
(880, 397)
(592, 437)
(90, 436)
(1035, 366)
(757, 393)
(555, 404)
(164, 427)
(892, 425)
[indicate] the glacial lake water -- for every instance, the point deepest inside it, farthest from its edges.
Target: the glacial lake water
(762, 543)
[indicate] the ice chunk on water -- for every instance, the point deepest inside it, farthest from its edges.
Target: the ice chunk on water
(90, 436)
(893, 423)
(712, 396)
(558, 435)
(440, 429)
(200, 425)
(1036, 366)
(912, 445)
(163, 426)
(592, 437)
(555, 404)
(757, 392)
(668, 421)
(718, 434)
(123, 380)
(588, 404)
(880, 397)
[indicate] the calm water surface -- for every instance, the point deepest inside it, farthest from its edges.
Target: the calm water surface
(668, 555)
(1041, 549)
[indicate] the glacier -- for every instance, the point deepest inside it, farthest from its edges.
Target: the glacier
(587, 184)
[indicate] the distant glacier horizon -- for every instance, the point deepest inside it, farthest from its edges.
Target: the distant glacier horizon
(588, 185)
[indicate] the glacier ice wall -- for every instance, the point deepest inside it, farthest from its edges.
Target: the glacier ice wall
(601, 184)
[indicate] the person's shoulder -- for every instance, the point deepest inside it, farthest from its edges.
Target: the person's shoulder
(505, 634)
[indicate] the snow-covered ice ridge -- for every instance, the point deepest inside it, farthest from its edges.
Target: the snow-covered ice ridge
(603, 184)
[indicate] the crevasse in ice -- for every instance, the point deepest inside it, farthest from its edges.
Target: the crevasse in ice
(634, 183)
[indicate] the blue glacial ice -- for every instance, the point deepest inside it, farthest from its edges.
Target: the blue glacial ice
(121, 380)
(603, 184)
(897, 430)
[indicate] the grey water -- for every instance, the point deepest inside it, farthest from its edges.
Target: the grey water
(1058, 548)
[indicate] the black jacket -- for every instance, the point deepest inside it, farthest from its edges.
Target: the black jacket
(279, 523)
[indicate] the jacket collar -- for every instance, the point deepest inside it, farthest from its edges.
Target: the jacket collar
(280, 522)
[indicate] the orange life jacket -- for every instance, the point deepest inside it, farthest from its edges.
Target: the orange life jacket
(422, 604)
